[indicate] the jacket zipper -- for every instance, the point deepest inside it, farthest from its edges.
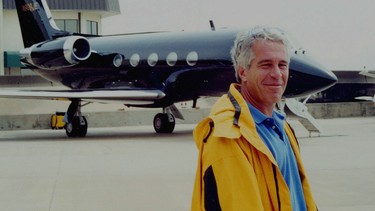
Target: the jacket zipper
(277, 187)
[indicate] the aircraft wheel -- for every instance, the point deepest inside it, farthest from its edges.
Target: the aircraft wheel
(164, 123)
(77, 127)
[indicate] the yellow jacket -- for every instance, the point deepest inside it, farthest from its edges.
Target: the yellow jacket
(236, 171)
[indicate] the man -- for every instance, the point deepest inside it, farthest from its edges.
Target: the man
(248, 155)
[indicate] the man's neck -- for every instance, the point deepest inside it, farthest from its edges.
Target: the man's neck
(266, 109)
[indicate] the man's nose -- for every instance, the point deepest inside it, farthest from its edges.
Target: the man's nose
(275, 71)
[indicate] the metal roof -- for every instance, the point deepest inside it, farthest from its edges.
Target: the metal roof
(111, 7)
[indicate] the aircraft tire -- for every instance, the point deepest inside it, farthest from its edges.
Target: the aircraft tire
(163, 123)
(77, 127)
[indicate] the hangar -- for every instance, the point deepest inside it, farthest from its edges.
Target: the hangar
(350, 85)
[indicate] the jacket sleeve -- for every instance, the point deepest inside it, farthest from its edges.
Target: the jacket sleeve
(228, 180)
(230, 184)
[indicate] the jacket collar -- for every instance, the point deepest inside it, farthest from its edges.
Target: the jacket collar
(233, 119)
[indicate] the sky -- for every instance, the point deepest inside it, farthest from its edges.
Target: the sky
(339, 34)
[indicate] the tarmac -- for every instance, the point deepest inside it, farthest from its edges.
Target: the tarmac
(132, 168)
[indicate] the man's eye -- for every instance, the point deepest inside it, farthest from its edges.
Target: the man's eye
(265, 65)
(283, 66)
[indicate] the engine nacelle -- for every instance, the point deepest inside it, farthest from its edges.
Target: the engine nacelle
(58, 53)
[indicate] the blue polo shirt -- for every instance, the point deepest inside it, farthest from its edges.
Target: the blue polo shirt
(271, 130)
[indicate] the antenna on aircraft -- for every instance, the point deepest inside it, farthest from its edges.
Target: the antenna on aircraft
(212, 25)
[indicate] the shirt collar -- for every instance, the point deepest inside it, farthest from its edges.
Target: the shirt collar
(259, 117)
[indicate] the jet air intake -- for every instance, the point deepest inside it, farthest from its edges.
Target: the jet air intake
(55, 54)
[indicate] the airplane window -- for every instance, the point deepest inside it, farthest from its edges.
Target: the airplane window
(152, 59)
(117, 60)
(134, 60)
(192, 58)
(172, 58)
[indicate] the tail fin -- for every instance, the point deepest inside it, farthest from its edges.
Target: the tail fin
(36, 22)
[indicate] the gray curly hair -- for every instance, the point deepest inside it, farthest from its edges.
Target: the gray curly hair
(242, 52)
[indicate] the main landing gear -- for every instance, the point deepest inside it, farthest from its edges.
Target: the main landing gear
(165, 122)
(76, 124)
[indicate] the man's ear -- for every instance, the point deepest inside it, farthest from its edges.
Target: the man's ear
(242, 73)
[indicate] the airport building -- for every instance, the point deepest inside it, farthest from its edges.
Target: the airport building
(82, 16)
(350, 85)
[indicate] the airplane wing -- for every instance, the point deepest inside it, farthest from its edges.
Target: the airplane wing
(369, 73)
(124, 96)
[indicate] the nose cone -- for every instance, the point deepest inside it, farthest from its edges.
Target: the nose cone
(307, 77)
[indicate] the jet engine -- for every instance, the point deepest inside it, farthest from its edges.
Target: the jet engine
(58, 53)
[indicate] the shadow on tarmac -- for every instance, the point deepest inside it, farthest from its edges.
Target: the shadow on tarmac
(110, 133)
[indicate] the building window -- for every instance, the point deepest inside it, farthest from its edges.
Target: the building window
(69, 25)
(92, 27)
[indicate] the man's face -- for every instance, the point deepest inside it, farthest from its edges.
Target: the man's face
(264, 82)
